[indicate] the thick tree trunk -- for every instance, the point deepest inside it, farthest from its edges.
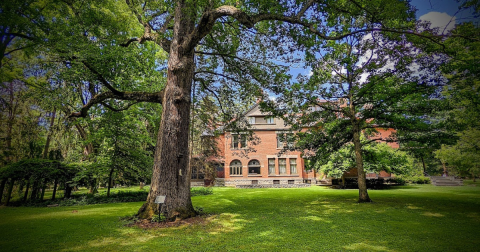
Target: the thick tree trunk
(362, 180)
(445, 172)
(49, 136)
(171, 173)
(54, 189)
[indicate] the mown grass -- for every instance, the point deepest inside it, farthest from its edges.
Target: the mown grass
(408, 218)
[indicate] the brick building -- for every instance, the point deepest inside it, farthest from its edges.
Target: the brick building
(262, 162)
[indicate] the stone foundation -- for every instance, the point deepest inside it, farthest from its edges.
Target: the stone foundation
(274, 186)
(197, 183)
(264, 182)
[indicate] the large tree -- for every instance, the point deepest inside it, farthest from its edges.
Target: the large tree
(359, 85)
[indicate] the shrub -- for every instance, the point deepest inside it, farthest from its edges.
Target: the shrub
(101, 198)
(420, 180)
(398, 181)
(195, 191)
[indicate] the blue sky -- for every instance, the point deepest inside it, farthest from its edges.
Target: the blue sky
(439, 12)
(448, 6)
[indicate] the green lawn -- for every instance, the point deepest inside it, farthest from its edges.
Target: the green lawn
(409, 218)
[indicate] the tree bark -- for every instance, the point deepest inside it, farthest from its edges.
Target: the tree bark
(362, 180)
(171, 172)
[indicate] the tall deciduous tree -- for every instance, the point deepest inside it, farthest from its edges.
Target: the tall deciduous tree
(359, 85)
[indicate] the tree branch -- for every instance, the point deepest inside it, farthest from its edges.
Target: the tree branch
(119, 109)
(214, 94)
(16, 34)
(156, 97)
(148, 35)
(218, 74)
(101, 78)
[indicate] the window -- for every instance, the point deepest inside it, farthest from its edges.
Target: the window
(239, 141)
(271, 166)
(254, 182)
(280, 139)
(251, 120)
(236, 167)
(234, 141)
(254, 167)
(269, 120)
(282, 165)
(276, 182)
(288, 137)
(291, 182)
(243, 141)
(293, 166)
(197, 173)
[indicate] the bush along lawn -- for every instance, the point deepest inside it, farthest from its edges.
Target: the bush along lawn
(117, 195)
(404, 218)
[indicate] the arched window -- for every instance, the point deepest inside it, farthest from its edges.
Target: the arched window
(236, 167)
(254, 167)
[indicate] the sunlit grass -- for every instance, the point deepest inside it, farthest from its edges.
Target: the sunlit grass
(409, 218)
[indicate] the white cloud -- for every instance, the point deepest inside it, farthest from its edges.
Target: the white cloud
(441, 20)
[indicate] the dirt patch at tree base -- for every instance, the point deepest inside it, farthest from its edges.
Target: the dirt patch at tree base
(197, 220)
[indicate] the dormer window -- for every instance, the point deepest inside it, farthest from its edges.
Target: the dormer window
(251, 120)
(269, 120)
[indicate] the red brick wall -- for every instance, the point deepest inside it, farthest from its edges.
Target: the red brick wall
(385, 134)
(265, 149)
